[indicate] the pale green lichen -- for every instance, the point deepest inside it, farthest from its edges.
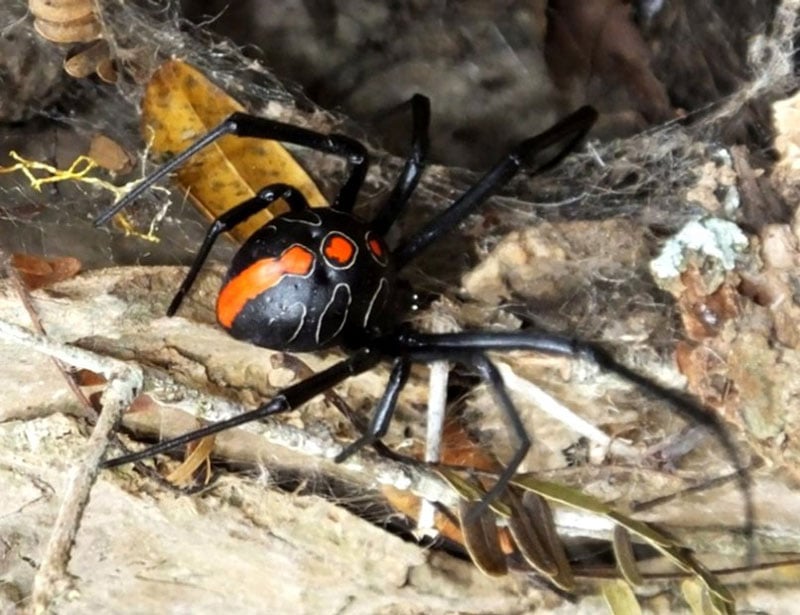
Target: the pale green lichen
(711, 242)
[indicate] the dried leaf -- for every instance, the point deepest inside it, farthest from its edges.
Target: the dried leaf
(576, 499)
(106, 70)
(696, 597)
(180, 105)
(109, 154)
(88, 378)
(65, 21)
(701, 602)
(626, 560)
(408, 504)
(472, 492)
(535, 534)
(96, 58)
(38, 272)
(594, 51)
(200, 455)
(524, 530)
(679, 555)
(480, 538)
(620, 598)
(458, 450)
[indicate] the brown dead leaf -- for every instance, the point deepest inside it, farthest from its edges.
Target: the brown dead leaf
(96, 58)
(38, 272)
(109, 154)
(458, 450)
(480, 539)
(88, 378)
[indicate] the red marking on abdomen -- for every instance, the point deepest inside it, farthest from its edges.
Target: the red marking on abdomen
(376, 248)
(259, 277)
(338, 249)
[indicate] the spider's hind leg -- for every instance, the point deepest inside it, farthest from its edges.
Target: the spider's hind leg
(287, 399)
(245, 125)
(490, 374)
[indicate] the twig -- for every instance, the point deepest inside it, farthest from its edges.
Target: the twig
(124, 381)
(400, 475)
(548, 404)
(382, 471)
(437, 406)
(25, 298)
(208, 407)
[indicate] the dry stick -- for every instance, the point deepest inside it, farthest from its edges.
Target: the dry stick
(570, 522)
(548, 404)
(382, 471)
(124, 381)
(437, 407)
(417, 479)
(25, 298)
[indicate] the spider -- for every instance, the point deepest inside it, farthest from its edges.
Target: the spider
(312, 278)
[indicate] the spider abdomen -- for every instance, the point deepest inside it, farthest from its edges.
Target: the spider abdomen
(307, 280)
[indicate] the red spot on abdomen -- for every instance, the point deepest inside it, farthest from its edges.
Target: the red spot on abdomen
(376, 248)
(338, 249)
(258, 278)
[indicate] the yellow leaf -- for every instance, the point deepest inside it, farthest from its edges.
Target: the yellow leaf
(620, 598)
(180, 105)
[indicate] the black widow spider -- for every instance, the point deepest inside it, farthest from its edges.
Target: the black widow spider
(317, 277)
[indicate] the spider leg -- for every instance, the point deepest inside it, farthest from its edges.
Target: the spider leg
(425, 344)
(492, 377)
(412, 170)
(288, 399)
(226, 221)
(566, 134)
(421, 344)
(537, 341)
(244, 125)
(379, 424)
(429, 347)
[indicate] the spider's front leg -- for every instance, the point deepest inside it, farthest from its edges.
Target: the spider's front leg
(244, 125)
(431, 351)
(489, 373)
(535, 153)
(382, 417)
